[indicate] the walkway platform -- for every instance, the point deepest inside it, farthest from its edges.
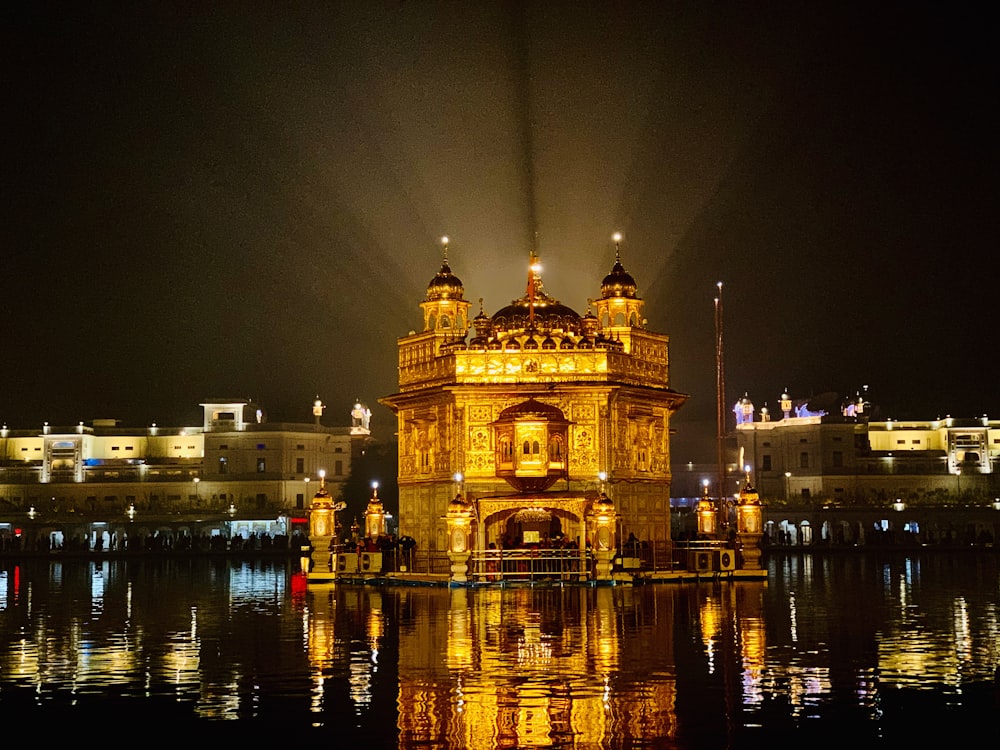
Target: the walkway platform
(617, 579)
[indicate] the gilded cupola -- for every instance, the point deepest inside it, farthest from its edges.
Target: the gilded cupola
(445, 309)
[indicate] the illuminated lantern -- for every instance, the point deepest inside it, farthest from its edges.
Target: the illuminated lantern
(602, 517)
(786, 405)
(374, 516)
(749, 525)
(706, 514)
(459, 520)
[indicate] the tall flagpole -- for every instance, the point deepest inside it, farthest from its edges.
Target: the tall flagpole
(720, 409)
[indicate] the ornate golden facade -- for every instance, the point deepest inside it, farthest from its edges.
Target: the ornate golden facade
(535, 406)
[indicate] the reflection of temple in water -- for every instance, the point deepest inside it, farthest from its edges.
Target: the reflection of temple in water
(538, 666)
(560, 406)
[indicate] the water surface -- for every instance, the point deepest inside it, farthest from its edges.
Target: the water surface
(857, 647)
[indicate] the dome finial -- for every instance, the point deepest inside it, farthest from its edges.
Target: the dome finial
(444, 244)
(617, 237)
(534, 282)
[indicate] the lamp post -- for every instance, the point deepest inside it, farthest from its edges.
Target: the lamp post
(197, 495)
(459, 520)
(706, 513)
(374, 515)
(788, 477)
(749, 525)
(958, 482)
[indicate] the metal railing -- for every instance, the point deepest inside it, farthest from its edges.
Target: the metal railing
(530, 564)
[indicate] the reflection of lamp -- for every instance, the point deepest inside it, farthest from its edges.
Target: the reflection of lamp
(899, 505)
(232, 509)
(32, 512)
(131, 512)
(996, 503)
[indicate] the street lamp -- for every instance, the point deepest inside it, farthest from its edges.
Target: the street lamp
(788, 476)
(958, 482)
(197, 497)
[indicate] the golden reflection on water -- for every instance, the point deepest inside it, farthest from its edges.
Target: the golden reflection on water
(521, 666)
(540, 666)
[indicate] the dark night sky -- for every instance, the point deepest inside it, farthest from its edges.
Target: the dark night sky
(245, 199)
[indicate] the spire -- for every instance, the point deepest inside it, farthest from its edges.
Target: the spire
(618, 283)
(534, 284)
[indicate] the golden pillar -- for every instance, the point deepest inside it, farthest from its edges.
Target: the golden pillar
(459, 519)
(749, 526)
(706, 514)
(374, 516)
(322, 528)
(601, 520)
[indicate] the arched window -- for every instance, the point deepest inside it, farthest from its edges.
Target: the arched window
(555, 449)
